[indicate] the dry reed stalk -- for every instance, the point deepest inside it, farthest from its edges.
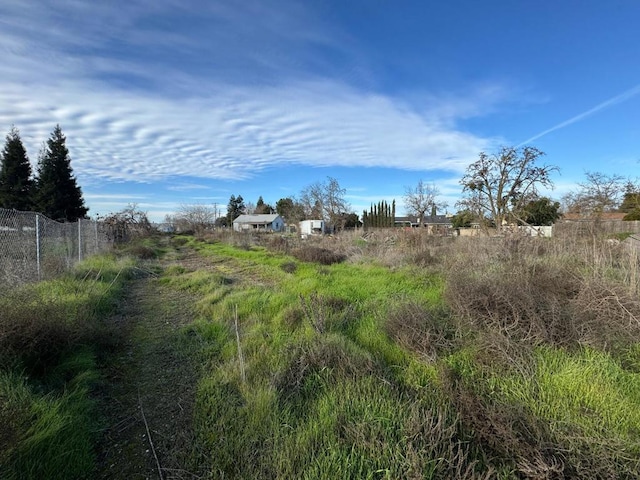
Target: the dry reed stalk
(153, 448)
(240, 357)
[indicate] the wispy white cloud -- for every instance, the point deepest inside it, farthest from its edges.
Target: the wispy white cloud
(623, 97)
(186, 187)
(224, 97)
(119, 136)
(114, 197)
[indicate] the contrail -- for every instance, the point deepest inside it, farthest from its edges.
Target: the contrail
(612, 101)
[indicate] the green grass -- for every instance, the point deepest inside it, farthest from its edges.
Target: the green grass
(51, 336)
(350, 371)
(53, 432)
(330, 394)
(583, 403)
(586, 389)
(327, 393)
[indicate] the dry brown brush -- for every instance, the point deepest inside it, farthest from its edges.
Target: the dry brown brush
(512, 289)
(427, 331)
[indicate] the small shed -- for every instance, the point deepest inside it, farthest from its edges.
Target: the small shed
(311, 227)
(270, 222)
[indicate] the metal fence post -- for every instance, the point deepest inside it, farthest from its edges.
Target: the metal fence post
(38, 244)
(95, 225)
(79, 240)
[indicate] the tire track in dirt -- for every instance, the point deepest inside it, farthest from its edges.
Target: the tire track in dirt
(150, 387)
(153, 376)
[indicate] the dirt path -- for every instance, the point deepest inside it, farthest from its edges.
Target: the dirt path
(150, 390)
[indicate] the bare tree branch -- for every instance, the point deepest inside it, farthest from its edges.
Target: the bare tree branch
(421, 199)
(497, 185)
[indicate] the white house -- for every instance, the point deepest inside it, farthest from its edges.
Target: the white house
(311, 227)
(270, 222)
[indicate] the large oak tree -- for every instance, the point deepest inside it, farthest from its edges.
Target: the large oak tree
(499, 185)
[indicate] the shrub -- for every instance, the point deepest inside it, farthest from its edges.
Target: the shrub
(179, 241)
(540, 303)
(526, 302)
(277, 243)
(606, 314)
(142, 251)
(330, 355)
(327, 313)
(289, 267)
(35, 333)
(424, 258)
(506, 434)
(425, 331)
(633, 215)
(319, 255)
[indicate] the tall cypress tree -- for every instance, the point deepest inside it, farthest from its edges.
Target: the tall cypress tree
(16, 182)
(58, 195)
(393, 213)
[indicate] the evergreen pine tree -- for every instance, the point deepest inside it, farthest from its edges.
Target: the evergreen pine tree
(16, 183)
(58, 195)
(235, 208)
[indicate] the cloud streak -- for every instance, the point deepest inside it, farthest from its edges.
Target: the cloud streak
(623, 97)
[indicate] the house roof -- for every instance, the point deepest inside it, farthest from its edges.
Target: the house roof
(572, 217)
(428, 219)
(258, 218)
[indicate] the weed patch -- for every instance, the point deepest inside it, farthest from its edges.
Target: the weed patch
(326, 313)
(427, 331)
(323, 256)
(51, 335)
(504, 358)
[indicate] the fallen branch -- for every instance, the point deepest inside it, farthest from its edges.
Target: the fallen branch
(153, 449)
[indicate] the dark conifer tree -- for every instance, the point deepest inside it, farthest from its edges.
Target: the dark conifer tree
(387, 214)
(16, 182)
(235, 208)
(58, 194)
(393, 213)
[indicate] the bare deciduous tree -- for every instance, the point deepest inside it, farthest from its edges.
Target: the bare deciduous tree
(194, 217)
(127, 223)
(421, 200)
(598, 193)
(325, 199)
(500, 184)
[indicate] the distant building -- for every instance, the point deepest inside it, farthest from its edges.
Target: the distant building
(434, 223)
(270, 222)
(311, 227)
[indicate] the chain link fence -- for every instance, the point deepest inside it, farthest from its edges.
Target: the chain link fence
(595, 227)
(34, 247)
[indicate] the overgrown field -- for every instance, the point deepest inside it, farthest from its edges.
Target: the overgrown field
(386, 356)
(503, 358)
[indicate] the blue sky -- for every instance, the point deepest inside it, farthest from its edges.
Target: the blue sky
(175, 102)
